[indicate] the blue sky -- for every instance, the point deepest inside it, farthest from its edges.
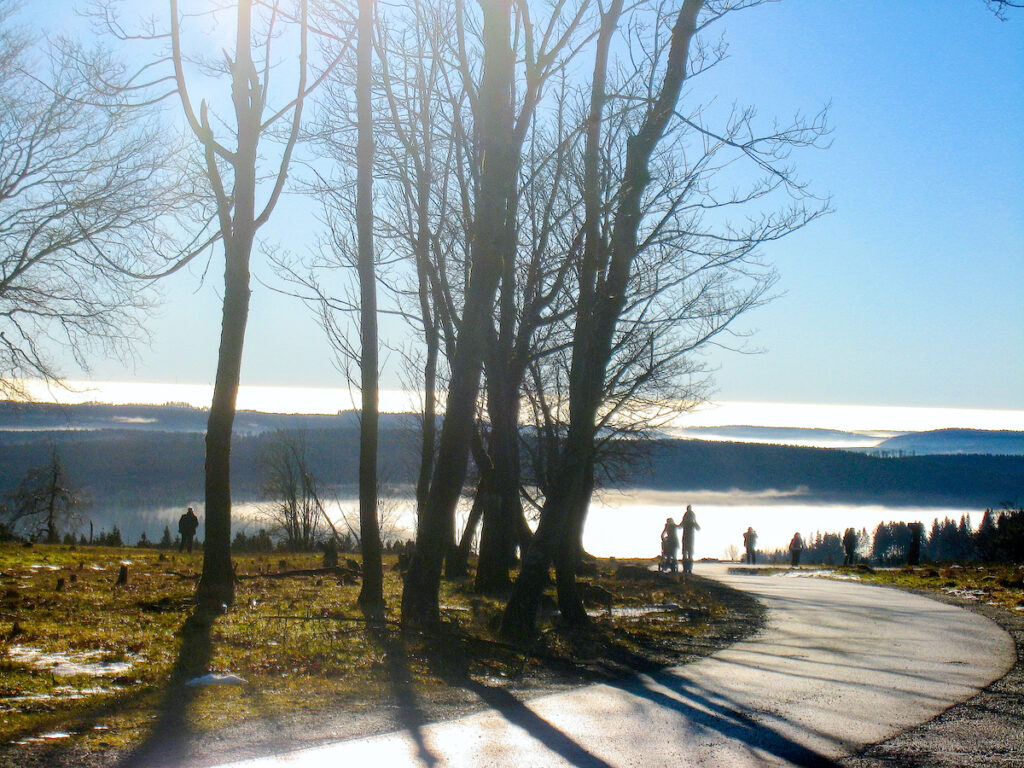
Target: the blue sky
(908, 293)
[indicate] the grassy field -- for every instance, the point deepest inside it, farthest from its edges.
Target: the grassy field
(94, 668)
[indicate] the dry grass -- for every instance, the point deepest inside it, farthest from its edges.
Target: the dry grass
(1000, 584)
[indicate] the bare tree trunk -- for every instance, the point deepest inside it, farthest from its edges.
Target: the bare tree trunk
(457, 563)
(431, 328)
(217, 583)
(499, 534)
(520, 615)
(371, 595)
(436, 525)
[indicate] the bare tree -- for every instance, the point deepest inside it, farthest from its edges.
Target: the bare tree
(246, 155)
(295, 512)
(659, 276)
(89, 201)
(499, 131)
(493, 110)
(44, 503)
(371, 595)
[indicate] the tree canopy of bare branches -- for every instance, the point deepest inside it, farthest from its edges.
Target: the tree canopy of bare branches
(91, 201)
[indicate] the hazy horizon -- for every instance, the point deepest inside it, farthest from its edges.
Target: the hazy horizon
(855, 418)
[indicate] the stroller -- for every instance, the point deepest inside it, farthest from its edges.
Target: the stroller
(667, 561)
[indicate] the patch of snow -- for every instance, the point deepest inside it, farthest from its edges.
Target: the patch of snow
(636, 611)
(65, 665)
(213, 679)
(61, 692)
(834, 575)
(966, 594)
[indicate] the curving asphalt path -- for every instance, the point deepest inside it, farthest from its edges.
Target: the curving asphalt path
(839, 666)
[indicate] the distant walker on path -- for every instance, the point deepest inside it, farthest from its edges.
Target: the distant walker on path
(187, 525)
(689, 526)
(850, 546)
(749, 542)
(796, 546)
(914, 550)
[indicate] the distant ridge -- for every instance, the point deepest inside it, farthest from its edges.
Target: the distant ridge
(833, 438)
(170, 417)
(956, 441)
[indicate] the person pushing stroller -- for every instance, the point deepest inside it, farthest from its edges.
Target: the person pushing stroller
(669, 547)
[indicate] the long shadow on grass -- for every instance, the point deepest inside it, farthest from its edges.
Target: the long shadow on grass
(409, 713)
(169, 741)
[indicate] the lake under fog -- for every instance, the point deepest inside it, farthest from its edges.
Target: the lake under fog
(620, 524)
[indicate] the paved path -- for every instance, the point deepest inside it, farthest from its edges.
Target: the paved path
(840, 665)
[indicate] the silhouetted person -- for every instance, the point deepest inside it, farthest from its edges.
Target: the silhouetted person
(187, 525)
(749, 541)
(689, 526)
(796, 546)
(669, 546)
(914, 551)
(850, 546)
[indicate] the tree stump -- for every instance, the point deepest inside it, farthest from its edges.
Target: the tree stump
(122, 575)
(60, 584)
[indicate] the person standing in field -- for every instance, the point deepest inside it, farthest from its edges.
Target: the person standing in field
(749, 542)
(690, 527)
(187, 525)
(796, 546)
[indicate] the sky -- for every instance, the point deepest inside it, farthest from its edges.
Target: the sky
(908, 294)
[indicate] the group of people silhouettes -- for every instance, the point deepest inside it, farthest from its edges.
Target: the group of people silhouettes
(797, 546)
(670, 542)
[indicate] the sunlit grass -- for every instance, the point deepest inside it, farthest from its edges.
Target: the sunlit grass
(998, 584)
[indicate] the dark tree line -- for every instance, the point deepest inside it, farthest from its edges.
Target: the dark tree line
(999, 537)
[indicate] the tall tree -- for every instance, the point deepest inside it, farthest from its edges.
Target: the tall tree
(655, 277)
(492, 108)
(235, 175)
(371, 595)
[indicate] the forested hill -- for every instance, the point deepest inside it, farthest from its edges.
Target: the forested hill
(165, 467)
(831, 474)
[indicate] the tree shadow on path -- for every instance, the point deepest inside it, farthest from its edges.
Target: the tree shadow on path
(714, 712)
